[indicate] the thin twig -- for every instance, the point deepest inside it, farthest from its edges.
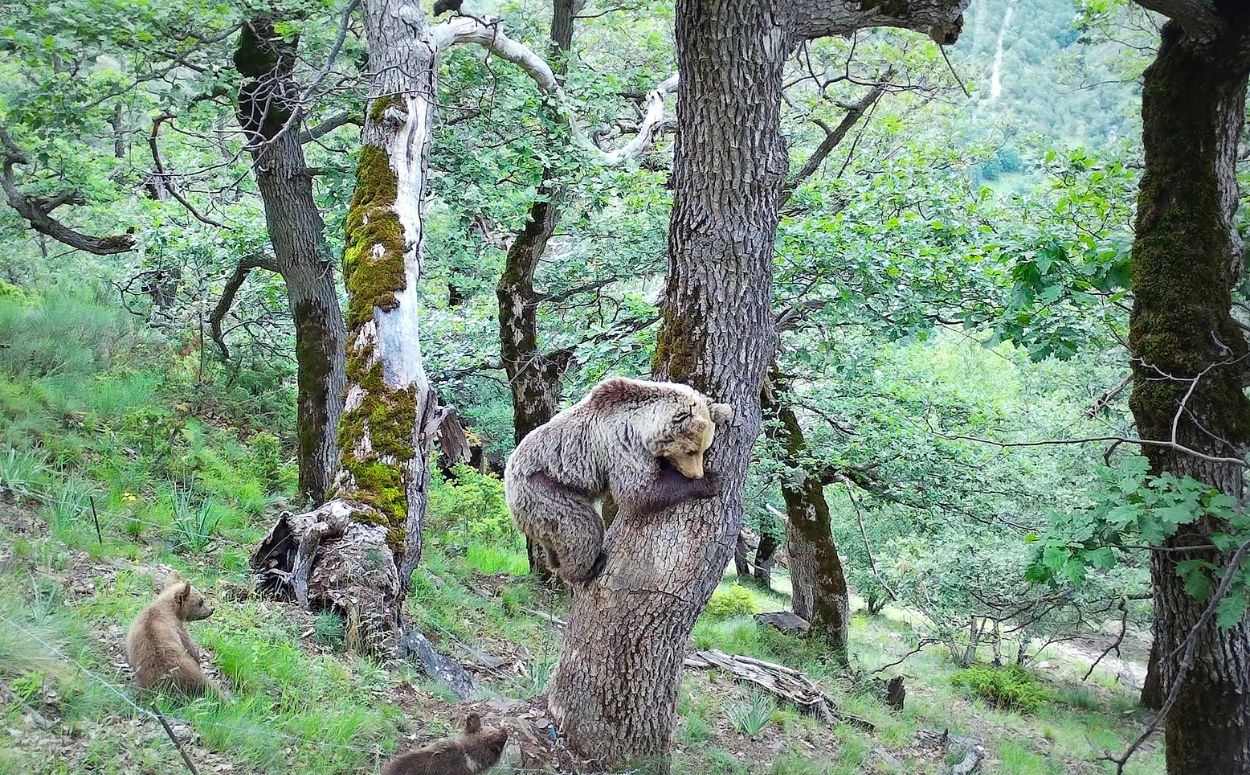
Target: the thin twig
(177, 744)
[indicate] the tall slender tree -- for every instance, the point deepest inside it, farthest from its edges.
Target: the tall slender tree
(268, 100)
(534, 376)
(614, 689)
(1190, 359)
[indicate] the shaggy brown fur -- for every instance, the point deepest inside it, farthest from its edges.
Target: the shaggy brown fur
(476, 750)
(641, 442)
(160, 650)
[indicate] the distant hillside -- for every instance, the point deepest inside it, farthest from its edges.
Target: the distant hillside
(1033, 73)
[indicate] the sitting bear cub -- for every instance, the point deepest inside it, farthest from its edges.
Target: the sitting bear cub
(160, 650)
(641, 442)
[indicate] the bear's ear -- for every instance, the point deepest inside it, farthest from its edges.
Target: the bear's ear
(181, 597)
(472, 723)
(721, 414)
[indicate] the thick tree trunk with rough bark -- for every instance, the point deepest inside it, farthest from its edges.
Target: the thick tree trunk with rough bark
(267, 97)
(535, 378)
(1189, 359)
(614, 689)
(819, 591)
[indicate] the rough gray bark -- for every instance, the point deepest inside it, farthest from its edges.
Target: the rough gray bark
(1189, 360)
(615, 687)
(300, 253)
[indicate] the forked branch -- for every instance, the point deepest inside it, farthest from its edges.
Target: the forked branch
(490, 35)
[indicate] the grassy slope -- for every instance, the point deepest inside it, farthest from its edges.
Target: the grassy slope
(92, 408)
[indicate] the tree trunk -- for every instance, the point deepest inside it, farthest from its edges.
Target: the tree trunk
(535, 378)
(1188, 364)
(1152, 687)
(819, 591)
(764, 560)
(390, 414)
(301, 255)
(614, 689)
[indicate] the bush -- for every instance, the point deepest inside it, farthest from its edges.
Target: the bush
(750, 718)
(737, 600)
(1010, 687)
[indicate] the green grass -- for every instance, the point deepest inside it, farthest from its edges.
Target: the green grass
(189, 472)
(489, 559)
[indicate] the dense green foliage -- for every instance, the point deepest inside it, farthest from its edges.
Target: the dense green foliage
(953, 282)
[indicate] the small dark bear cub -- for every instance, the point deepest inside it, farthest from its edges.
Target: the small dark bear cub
(476, 750)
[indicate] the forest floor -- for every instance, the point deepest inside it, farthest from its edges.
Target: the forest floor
(183, 474)
(301, 698)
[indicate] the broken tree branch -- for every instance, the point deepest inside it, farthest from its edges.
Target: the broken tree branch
(244, 268)
(168, 178)
(782, 681)
(489, 34)
(36, 210)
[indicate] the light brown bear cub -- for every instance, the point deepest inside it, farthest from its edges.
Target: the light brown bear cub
(476, 750)
(159, 648)
(641, 442)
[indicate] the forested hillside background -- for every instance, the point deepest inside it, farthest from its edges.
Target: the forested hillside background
(952, 296)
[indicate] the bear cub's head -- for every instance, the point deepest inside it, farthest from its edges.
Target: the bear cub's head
(188, 602)
(483, 746)
(690, 431)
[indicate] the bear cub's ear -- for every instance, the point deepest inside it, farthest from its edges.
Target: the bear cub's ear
(472, 723)
(721, 414)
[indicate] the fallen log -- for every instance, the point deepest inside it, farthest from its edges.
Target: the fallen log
(442, 669)
(781, 681)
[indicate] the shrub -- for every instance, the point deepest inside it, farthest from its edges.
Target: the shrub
(194, 523)
(750, 718)
(22, 473)
(328, 629)
(737, 600)
(1010, 687)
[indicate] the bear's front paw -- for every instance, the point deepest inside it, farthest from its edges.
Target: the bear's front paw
(708, 486)
(600, 562)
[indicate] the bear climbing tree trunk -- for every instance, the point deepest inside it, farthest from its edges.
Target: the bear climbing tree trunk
(356, 552)
(614, 689)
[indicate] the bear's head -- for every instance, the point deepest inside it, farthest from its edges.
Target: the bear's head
(689, 433)
(483, 746)
(189, 603)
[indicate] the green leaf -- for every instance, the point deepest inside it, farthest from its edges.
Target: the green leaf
(1232, 608)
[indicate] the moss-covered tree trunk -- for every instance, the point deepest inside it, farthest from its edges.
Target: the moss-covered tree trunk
(391, 413)
(534, 377)
(820, 593)
(369, 535)
(1190, 358)
(614, 690)
(267, 98)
